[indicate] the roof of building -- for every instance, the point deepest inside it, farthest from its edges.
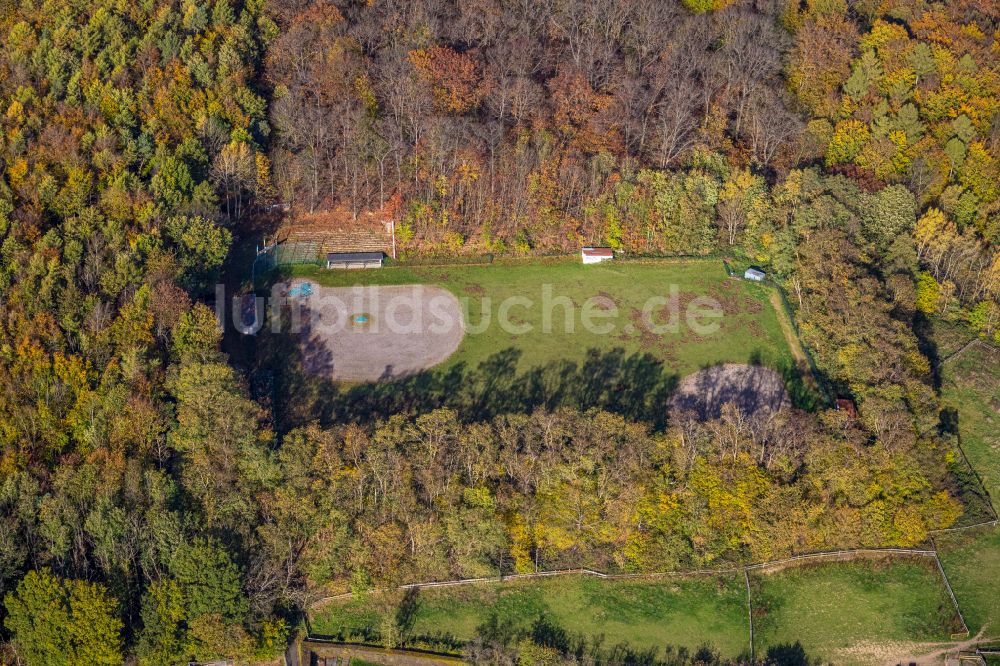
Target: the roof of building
(849, 406)
(755, 271)
(354, 256)
(598, 252)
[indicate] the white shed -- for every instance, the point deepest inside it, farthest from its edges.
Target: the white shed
(755, 274)
(595, 255)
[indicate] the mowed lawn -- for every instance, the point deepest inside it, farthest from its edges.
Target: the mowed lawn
(852, 612)
(748, 330)
(643, 614)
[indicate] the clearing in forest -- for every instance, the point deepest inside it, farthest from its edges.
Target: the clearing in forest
(546, 333)
(643, 614)
(538, 308)
(377, 332)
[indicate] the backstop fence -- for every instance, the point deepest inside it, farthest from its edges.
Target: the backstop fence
(296, 253)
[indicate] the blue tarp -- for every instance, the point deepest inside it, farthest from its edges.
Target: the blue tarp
(304, 289)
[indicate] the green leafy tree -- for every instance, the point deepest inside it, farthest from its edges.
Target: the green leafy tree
(208, 580)
(55, 622)
(196, 335)
(211, 636)
(928, 293)
(888, 214)
(223, 460)
(163, 637)
(202, 246)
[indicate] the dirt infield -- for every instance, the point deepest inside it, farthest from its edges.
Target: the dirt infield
(752, 388)
(367, 334)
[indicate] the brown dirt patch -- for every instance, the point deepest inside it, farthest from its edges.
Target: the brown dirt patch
(892, 653)
(408, 328)
(605, 301)
(752, 388)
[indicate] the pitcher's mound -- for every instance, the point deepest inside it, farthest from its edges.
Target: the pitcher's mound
(366, 334)
(752, 388)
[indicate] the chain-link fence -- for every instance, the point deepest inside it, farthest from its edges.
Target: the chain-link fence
(274, 256)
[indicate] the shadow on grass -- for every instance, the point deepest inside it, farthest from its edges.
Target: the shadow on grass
(592, 650)
(636, 386)
(963, 480)
(799, 392)
(406, 613)
(509, 640)
(403, 618)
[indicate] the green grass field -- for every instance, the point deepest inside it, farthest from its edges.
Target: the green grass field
(971, 559)
(971, 387)
(647, 614)
(629, 369)
(748, 330)
(852, 612)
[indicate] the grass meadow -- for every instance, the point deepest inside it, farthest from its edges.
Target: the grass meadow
(644, 614)
(971, 559)
(852, 612)
(970, 388)
(860, 612)
(970, 392)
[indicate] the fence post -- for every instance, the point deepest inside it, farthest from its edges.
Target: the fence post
(951, 593)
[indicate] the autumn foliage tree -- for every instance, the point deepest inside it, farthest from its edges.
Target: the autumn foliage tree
(132, 153)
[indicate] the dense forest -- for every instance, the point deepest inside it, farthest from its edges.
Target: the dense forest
(149, 509)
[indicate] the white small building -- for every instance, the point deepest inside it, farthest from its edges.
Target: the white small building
(595, 255)
(755, 274)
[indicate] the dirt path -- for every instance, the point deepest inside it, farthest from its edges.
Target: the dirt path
(798, 353)
(938, 652)
(892, 653)
(343, 653)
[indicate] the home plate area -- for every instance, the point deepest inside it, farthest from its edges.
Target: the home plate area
(375, 333)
